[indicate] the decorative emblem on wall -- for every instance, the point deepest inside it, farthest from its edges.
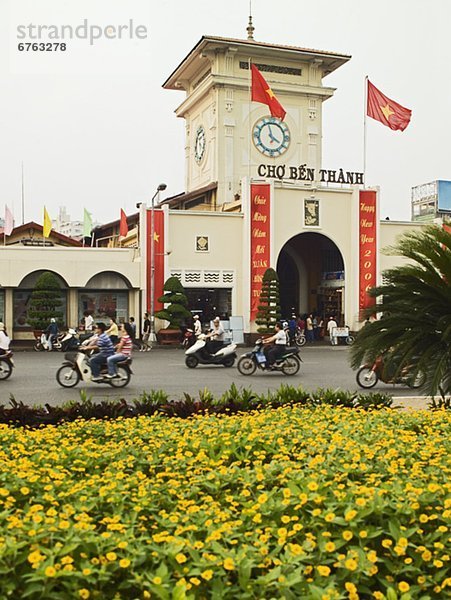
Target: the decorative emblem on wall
(202, 243)
(311, 212)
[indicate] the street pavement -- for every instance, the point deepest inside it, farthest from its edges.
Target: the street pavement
(33, 380)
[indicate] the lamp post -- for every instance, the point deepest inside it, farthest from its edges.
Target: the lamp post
(160, 188)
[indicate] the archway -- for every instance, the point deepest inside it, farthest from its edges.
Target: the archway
(310, 267)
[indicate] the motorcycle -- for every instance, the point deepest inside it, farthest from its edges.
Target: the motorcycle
(70, 340)
(6, 364)
(76, 367)
(299, 337)
(368, 375)
(42, 343)
(198, 354)
(289, 363)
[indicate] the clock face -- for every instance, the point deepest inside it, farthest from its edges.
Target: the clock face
(199, 144)
(271, 136)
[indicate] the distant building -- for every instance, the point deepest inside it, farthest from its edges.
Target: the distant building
(431, 201)
(63, 224)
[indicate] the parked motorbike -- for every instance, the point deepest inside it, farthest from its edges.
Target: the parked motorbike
(76, 367)
(70, 340)
(288, 364)
(198, 353)
(6, 364)
(299, 337)
(368, 375)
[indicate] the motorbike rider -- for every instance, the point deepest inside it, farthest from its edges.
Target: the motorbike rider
(52, 333)
(4, 339)
(123, 350)
(279, 341)
(102, 343)
(216, 335)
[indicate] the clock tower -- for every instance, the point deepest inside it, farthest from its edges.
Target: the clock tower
(228, 136)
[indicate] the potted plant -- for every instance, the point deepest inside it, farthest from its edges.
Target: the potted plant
(175, 310)
(45, 303)
(269, 308)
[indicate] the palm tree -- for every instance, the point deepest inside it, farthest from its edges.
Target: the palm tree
(415, 303)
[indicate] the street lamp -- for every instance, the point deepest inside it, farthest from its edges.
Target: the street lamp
(160, 188)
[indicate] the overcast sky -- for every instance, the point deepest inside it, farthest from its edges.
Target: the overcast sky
(95, 129)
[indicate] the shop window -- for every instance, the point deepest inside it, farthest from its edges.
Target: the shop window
(103, 304)
(21, 300)
(209, 303)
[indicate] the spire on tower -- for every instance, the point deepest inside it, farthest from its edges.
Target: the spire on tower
(250, 28)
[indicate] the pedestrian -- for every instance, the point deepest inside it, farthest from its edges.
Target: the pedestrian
(103, 344)
(309, 328)
(197, 326)
(4, 339)
(88, 321)
(146, 333)
(133, 326)
(123, 350)
(292, 329)
(52, 332)
(113, 331)
(331, 330)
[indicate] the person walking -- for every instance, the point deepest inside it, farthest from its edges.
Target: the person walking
(309, 329)
(133, 326)
(146, 334)
(103, 344)
(331, 330)
(197, 326)
(123, 350)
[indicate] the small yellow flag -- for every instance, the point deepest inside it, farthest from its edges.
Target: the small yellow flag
(47, 228)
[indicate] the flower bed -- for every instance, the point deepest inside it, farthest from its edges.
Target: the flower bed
(293, 503)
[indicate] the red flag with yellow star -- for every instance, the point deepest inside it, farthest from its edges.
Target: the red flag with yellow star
(387, 111)
(262, 92)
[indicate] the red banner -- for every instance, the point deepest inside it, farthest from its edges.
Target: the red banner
(367, 246)
(158, 257)
(260, 240)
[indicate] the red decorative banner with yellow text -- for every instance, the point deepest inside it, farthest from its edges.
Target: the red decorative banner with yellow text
(260, 240)
(367, 246)
(158, 257)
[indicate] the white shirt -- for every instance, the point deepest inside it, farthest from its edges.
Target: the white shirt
(197, 327)
(4, 341)
(281, 338)
(218, 332)
(89, 321)
(330, 325)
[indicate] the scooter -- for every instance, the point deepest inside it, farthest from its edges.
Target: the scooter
(368, 375)
(70, 340)
(76, 367)
(6, 364)
(289, 363)
(198, 354)
(42, 342)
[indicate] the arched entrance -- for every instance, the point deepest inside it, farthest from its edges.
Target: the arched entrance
(312, 278)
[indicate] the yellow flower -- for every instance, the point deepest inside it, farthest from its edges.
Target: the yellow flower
(24, 490)
(323, 570)
(403, 586)
(122, 545)
(350, 514)
(426, 555)
(295, 549)
(124, 563)
(195, 581)
(387, 543)
(329, 517)
(329, 547)
(312, 486)
(86, 572)
(207, 575)
(157, 580)
(84, 593)
(50, 572)
(363, 534)
(350, 587)
(180, 558)
(347, 535)
(286, 493)
(351, 564)
(229, 564)
(111, 556)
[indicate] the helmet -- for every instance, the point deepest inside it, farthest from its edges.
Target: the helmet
(285, 324)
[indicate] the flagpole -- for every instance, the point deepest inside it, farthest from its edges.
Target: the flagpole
(365, 104)
(23, 198)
